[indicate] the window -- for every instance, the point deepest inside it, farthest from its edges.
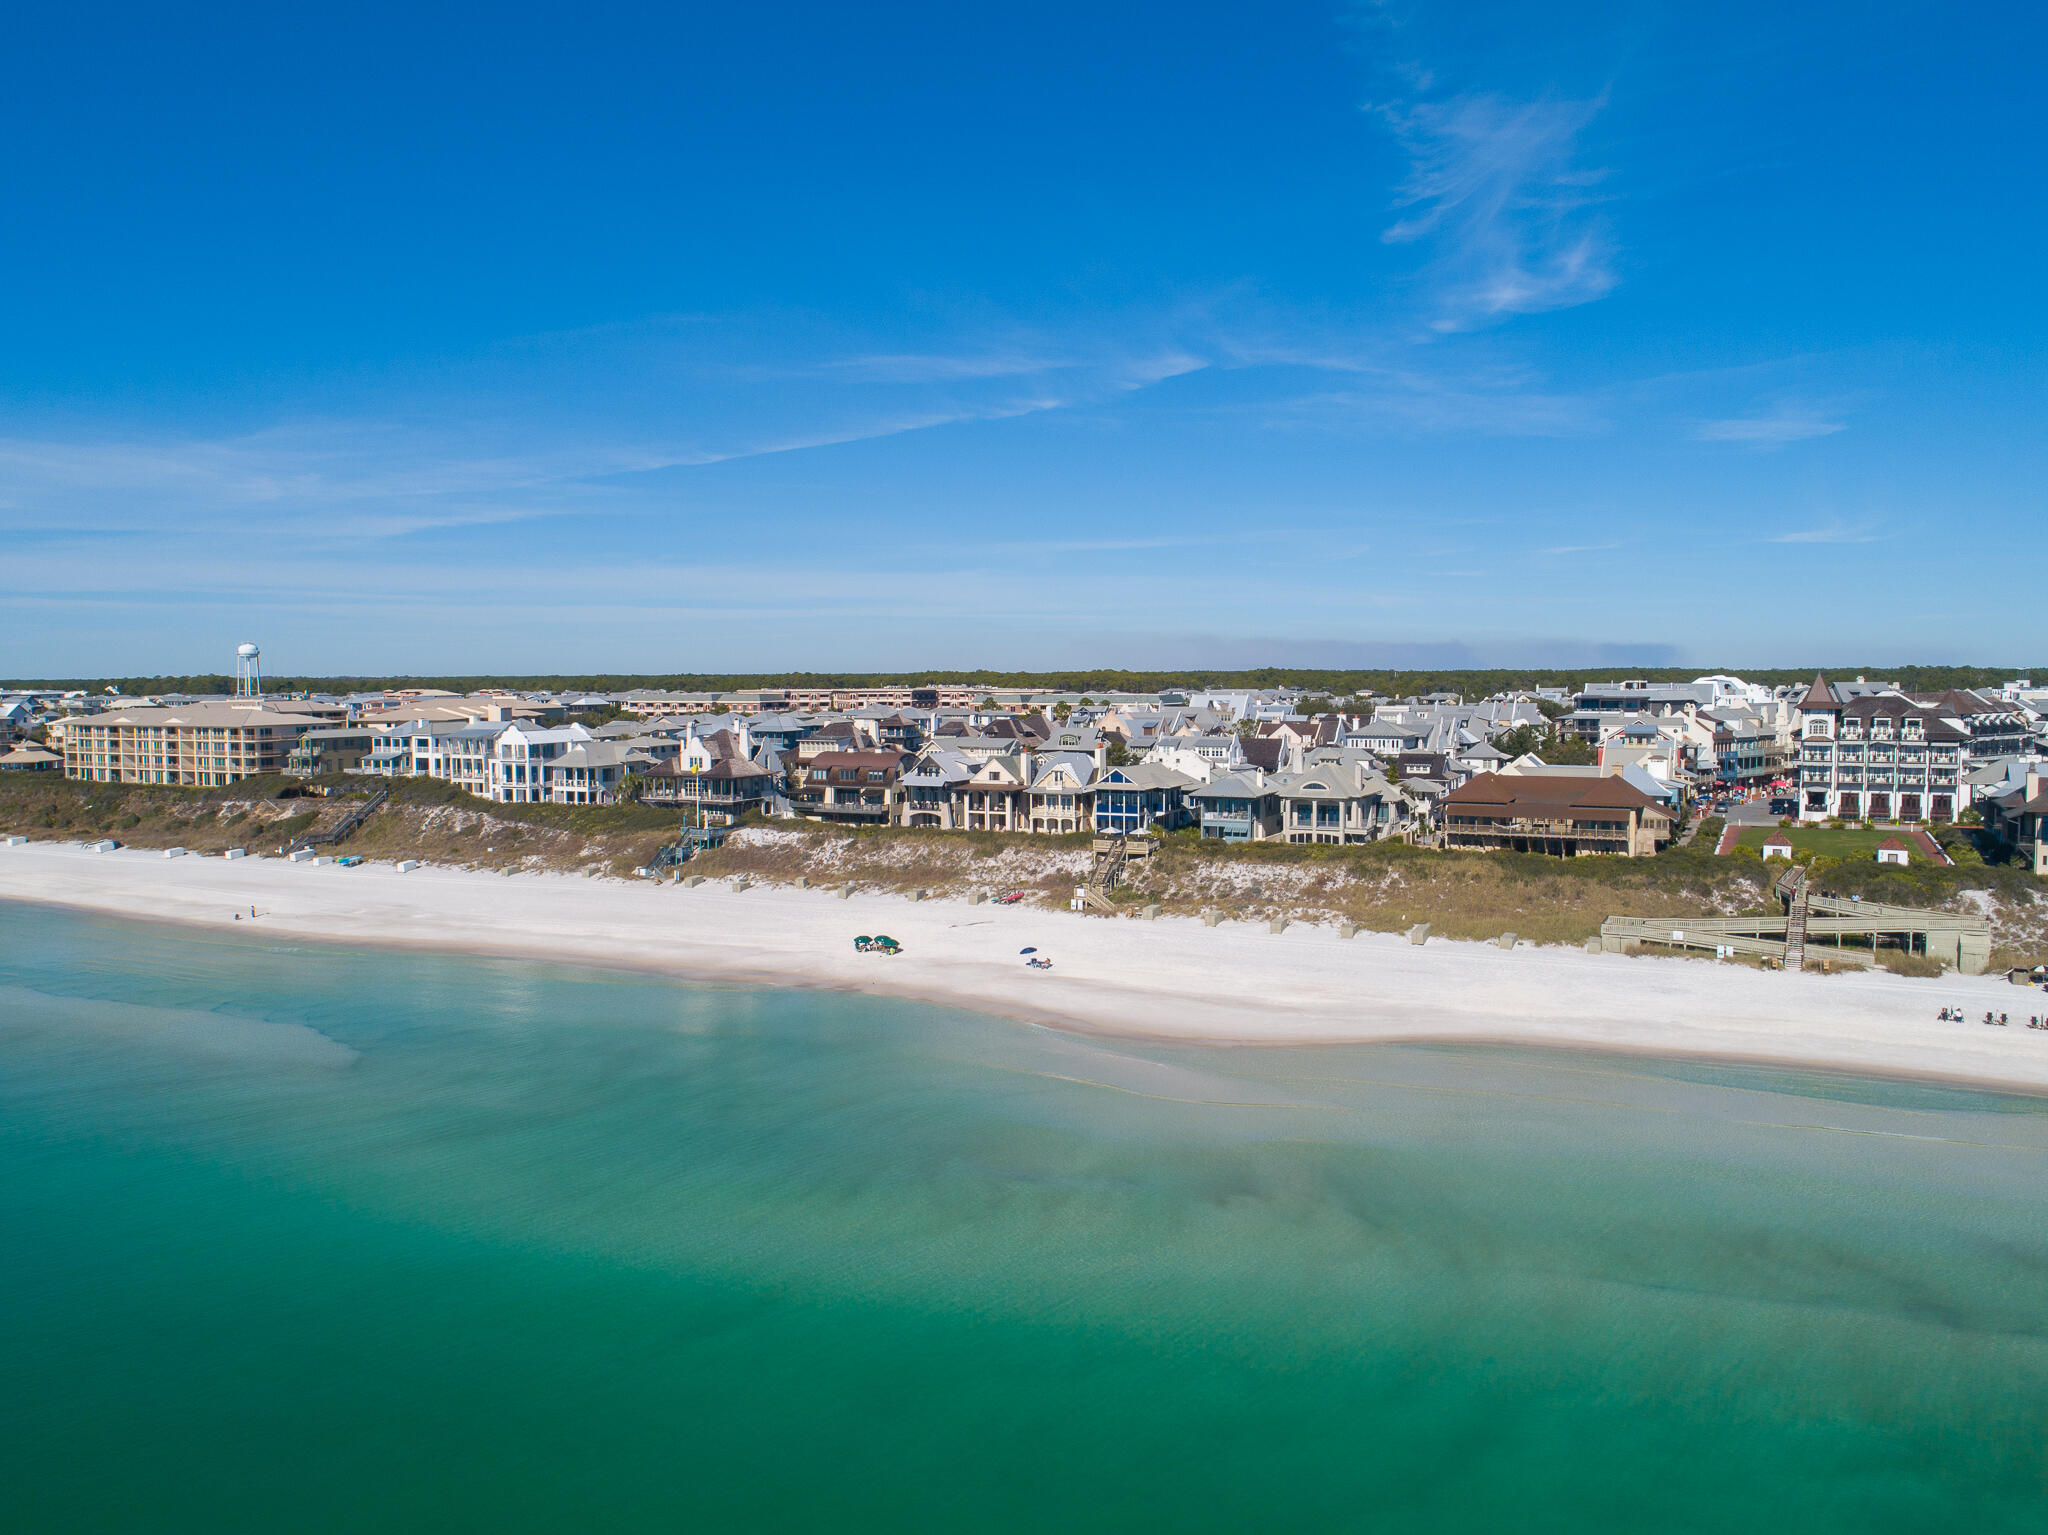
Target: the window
(875, 775)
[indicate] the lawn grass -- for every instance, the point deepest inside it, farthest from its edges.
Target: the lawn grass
(1825, 841)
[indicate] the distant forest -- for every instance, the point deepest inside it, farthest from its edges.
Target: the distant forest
(1329, 683)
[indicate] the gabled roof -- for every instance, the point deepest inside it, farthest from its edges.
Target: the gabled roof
(1075, 766)
(1266, 752)
(1145, 775)
(1820, 695)
(1231, 786)
(724, 768)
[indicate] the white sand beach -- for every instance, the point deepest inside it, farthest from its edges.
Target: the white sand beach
(1171, 978)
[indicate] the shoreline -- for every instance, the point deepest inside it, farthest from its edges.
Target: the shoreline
(1167, 980)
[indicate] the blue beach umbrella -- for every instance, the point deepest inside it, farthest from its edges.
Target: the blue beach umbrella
(1027, 951)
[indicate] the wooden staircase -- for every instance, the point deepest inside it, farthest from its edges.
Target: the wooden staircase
(1792, 888)
(346, 827)
(1112, 856)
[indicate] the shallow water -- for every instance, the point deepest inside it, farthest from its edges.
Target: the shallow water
(307, 1238)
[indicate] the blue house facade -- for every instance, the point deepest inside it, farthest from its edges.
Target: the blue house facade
(1130, 801)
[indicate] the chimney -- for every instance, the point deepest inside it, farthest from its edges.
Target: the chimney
(1101, 756)
(2033, 784)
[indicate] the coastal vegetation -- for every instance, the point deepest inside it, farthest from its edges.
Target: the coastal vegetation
(1386, 886)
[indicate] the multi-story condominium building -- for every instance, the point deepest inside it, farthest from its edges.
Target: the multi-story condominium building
(1570, 815)
(923, 698)
(1994, 727)
(1878, 757)
(667, 705)
(199, 745)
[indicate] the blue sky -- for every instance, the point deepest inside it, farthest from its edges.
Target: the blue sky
(744, 338)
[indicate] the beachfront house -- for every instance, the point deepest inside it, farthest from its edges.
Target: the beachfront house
(1237, 807)
(860, 788)
(1570, 815)
(717, 791)
(1060, 798)
(332, 749)
(2017, 818)
(518, 768)
(1132, 800)
(997, 796)
(1338, 801)
(932, 786)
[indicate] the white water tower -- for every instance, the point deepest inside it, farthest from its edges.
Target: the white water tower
(248, 672)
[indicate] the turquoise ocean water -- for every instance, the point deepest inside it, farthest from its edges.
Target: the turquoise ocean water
(297, 1238)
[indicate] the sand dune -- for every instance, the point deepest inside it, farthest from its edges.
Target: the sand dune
(1175, 978)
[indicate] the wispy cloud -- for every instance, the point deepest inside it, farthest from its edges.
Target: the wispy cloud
(1417, 403)
(1834, 533)
(1786, 423)
(1496, 185)
(1558, 549)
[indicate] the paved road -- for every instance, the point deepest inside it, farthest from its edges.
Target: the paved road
(1756, 813)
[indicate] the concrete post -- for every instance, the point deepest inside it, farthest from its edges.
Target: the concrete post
(1277, 925)
(1506, 940)
(1419, 934)
(692, 881)
(1347, 929)
(1211, 916)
